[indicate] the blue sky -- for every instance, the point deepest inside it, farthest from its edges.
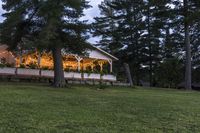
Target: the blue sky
(94, 11)
(1, 10)
(90, 14)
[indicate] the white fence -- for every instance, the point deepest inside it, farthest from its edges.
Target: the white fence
(28, 72)
(50, 74)
(72, 75)
(92, 76)
(47, 73)
(109, 77)
(7, 71)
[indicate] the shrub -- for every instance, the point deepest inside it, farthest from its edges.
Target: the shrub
(22, 66)
(45, 68)
(33, 65)
(9, 65)
(67, 69)
(2, 65)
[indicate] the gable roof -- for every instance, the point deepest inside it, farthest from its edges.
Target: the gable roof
(4, 47)
(105, 53)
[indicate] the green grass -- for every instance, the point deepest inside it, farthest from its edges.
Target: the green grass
(41, 109)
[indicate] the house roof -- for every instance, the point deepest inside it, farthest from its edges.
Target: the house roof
(4, 47)
(105, 53)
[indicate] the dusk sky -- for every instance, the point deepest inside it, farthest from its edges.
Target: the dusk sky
(90, 14)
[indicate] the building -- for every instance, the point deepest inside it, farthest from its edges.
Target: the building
(95, 63)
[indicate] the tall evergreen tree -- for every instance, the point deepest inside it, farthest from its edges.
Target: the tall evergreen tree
(107, 28)
(187, 13)
(130, 21)
(49, 24)
(188, 72)
(150, 32)
(123, 29)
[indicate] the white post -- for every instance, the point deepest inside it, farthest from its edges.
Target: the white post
(92, 66)
(79, 59)
(39, 60)
(111, 65)
(101, 66)
(79, 65)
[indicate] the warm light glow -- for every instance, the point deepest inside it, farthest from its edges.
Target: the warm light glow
(70, 62)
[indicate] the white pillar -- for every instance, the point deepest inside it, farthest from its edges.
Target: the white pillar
(92, 66)
(101, 66)
(79, 59)
(39, 60)
(111, 65)
(79, 65)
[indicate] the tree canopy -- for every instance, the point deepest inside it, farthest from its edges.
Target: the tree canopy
(46, 25)
(149, 32)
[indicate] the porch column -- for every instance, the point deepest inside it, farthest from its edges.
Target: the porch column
(92, 66)
(79, 59)
(20, 59)
(79, 65)
(101, 66)
(111, 65)
(39, 59)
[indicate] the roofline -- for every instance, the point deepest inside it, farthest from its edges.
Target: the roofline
(113, 57)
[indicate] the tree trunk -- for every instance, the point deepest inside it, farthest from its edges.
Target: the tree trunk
(188, 73)
(136, 40)
(59, 80)
(150, 48)
(128, 73)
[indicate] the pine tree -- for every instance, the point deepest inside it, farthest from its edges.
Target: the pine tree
(49, 25)
(187, 15)
(188, 73)
(155, 13)
(106, 27)
(121, 27)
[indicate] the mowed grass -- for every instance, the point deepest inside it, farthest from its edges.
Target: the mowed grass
(85, 109)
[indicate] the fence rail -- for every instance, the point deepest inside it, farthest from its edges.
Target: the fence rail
(50, 74)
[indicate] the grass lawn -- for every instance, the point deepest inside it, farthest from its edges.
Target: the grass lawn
(40, 109)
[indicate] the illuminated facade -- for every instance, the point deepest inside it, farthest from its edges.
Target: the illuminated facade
(96, 60)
